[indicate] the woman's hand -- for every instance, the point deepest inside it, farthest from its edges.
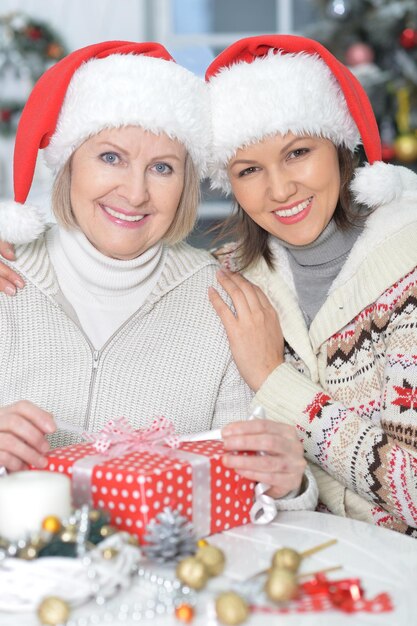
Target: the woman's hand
(9, 280)
(283, 464)
(254, 333)
(23, 427)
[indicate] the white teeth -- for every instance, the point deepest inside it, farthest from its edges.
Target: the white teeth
(123, 216)
(296, 209)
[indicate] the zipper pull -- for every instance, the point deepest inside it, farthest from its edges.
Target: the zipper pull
(96, 358)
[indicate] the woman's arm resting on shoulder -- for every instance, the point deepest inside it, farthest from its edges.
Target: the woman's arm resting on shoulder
(9, 280)
(254, 332)
(23, 427)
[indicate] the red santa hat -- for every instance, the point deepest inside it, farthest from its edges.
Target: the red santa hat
(105, 85)
(271, 84)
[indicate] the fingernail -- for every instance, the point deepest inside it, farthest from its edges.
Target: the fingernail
(50, 428)
(19, 283)
(42, 463)
(11, 291)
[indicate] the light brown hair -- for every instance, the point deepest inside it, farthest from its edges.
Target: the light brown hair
(184, 219)
(253, 240)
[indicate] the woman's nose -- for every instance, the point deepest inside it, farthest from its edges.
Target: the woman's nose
(281, 186)
(135, 188)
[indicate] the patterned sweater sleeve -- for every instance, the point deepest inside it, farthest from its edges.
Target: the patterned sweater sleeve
(366, 457)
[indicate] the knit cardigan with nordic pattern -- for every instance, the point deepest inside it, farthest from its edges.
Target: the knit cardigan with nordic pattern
(349, 383)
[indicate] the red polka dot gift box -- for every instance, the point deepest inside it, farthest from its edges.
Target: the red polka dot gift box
(136, 486)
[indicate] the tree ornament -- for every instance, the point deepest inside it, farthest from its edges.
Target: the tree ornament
(192, 572)
(52, 524)
(107, 531)
(408, 38)
(281, 585)
(359, 53)
(213, 558)
(406, 144)
(169, 536)
(184, 613)
(290, 559)
(53, 611)
(287, 558)
(231, 608)
(405, 147)
(28, 553)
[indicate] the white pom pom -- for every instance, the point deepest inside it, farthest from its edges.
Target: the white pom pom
(381, 183)
(20, 223)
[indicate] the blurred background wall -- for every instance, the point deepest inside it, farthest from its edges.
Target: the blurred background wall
(376, 38)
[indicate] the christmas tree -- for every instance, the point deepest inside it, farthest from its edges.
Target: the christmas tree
(377, 40)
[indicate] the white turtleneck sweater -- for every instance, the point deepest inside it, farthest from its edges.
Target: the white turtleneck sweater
(104, 292)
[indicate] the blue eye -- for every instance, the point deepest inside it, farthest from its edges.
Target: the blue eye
(162, 168)
(110, 157)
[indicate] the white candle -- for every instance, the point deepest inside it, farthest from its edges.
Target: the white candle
(26, 498)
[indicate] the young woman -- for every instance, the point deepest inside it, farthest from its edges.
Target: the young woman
(334, 249)
(114, 318)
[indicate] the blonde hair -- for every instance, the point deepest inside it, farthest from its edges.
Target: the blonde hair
(185, 216)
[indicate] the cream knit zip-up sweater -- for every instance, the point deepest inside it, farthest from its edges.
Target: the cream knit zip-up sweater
(349, 383)
(170, 358)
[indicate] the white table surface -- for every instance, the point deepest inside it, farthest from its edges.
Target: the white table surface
(383, 560)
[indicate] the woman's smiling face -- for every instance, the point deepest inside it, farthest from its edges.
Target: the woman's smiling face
(126, 185)
(289, 185)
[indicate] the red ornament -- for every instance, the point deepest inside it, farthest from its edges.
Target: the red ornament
(388, 152)
(359, 54)
(33, 32)
(5, 115)
(408, 38)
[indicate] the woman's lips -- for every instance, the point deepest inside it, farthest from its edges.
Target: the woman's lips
(295, 213)
(123, 218)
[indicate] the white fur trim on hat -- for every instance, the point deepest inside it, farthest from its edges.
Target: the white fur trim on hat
(381, 183)
(121, 90)
(278, 93)
(20, 223)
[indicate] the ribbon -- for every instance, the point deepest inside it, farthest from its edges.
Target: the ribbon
(118, 438)
(263, 510)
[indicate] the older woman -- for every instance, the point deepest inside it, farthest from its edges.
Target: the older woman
(114, 319)
(335, 252)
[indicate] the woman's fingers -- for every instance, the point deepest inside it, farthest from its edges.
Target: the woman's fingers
(14, 453)
(244, 294)
(281, 464)
(9, 280)
(7, 250)
(23, 426)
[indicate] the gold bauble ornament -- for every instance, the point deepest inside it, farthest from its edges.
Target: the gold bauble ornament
(53, 611)
(231, 608)
(287, 558)
(281, 585)
(110, 553)
(192, 572)
(107, 531)
(406, 148)
(28, 553)
(212, 557)
(52, 524)
(94, 515)
(69, 534)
